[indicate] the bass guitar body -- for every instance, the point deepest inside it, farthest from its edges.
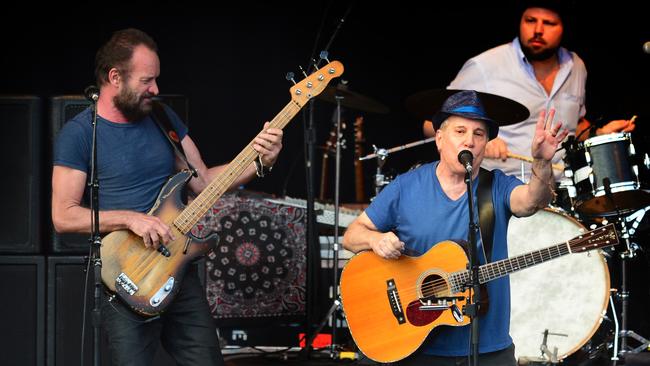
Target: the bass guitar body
(142, 277)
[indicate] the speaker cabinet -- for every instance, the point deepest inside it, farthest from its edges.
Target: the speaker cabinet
(65, 309)
(20, 119)
(65, 301)
(22, 310)
(64, 108)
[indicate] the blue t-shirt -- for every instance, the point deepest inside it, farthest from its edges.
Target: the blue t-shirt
(415, 207)
(134, 160)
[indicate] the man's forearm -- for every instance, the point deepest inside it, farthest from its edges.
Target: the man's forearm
(78, 220)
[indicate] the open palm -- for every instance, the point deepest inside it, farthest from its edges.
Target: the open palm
(547, 137)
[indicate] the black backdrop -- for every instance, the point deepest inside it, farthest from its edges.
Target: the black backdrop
(231, 61)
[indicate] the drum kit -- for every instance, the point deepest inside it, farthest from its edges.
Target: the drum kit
(602, 184)
(559, 310)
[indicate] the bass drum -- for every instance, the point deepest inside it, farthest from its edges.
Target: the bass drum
(567, 296)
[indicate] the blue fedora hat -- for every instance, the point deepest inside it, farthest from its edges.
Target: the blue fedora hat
(465, 103)
(441, 103)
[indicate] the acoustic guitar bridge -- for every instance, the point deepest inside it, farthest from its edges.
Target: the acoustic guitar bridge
(394, 301)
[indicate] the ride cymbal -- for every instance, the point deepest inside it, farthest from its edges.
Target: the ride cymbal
(352, 100)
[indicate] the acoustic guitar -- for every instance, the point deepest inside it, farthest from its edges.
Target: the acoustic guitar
(391, 306)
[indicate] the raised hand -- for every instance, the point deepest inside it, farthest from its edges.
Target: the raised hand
(547, 137)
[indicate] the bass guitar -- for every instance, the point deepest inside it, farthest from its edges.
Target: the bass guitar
(146, 280)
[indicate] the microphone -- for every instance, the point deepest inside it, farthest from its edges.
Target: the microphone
(91, 93)
(466, 158)
(646, 47)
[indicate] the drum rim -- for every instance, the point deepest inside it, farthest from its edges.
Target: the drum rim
(599, 192)
(603, 139)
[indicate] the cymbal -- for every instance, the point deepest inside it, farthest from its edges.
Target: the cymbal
(504, 111)
(352, 100)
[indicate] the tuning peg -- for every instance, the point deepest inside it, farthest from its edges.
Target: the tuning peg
(302, 70)
(290, 76)
(314, 63)
(323, 56)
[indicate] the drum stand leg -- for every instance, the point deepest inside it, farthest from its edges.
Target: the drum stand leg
(616, 332)
(624, 334)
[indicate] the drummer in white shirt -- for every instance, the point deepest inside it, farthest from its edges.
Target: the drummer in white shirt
(537, 72)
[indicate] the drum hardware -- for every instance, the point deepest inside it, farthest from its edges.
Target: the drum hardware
(615, 351)
(381, 154)
(565, 194)
(610, 339)
(380, 179)
(623, 334)
(636, 219)
(546, 354)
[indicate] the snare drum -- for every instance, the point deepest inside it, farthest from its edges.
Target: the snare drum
(565, 194)
(566, 296)
(594, 161)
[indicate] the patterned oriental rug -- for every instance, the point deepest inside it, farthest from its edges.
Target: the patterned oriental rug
(258, 266)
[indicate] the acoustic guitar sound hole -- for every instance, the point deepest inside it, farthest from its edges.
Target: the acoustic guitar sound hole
(433, 286)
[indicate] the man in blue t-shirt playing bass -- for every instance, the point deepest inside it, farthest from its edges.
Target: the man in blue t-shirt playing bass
(135, 159)
(429, 205)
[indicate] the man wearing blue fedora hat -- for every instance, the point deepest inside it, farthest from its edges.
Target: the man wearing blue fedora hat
(429, 205)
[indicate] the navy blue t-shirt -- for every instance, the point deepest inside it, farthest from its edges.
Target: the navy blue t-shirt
(134, 160)
(415, 207)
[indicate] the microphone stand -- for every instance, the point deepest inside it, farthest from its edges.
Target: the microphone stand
(96, 241)
(336, 303)
(312, 234)
(313, 244)
(472, 309)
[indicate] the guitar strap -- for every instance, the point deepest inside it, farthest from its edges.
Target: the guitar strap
(165, 125)
(486, 211)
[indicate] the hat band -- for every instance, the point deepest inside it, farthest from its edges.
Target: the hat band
(469, 109)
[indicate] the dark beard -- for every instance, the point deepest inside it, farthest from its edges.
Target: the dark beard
(131, 106)
(532, 55)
